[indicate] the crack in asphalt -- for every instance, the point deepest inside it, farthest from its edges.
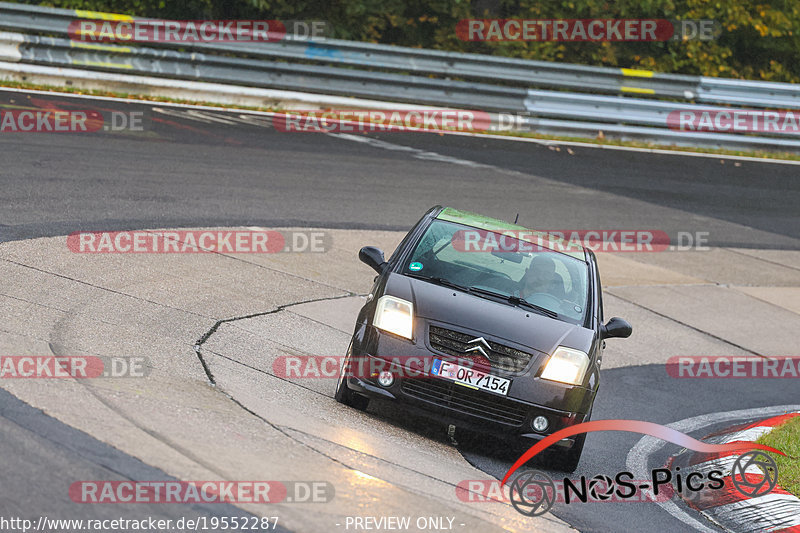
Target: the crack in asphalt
(286, 430)
(662, 315)
(259, 370)
(762, 259)
(202, 340)
(213, 329)
(386, 461)
(57, 350)
(59, 443)
(106, 289)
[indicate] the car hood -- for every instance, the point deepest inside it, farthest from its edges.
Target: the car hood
(499, 320)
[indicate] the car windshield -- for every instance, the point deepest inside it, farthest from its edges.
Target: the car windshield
(490, 263)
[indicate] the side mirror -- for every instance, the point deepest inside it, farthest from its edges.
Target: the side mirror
(616, 327)
(373, 257)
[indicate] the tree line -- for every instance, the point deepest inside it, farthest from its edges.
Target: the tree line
(756, 39)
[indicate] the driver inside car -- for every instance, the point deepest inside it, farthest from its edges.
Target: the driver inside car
(541, 277)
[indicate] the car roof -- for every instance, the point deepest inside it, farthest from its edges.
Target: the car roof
(494, 225)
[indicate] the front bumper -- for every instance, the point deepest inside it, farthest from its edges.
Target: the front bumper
(507, 417)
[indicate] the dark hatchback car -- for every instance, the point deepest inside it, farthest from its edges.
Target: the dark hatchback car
(505, 326)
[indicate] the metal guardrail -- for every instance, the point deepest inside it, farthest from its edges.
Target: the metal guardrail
(25, 18)
(272, 74)
(749, 93)
(406, 75)
(604, 108)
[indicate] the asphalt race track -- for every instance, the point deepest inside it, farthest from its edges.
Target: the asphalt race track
(211, 411)
(192, 170)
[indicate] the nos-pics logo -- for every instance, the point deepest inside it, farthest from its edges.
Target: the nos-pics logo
(533, 493)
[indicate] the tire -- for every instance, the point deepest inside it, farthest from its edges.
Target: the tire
(343, 393)
(568, 461)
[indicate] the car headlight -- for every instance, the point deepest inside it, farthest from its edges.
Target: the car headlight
(395, 316)
(566, 365)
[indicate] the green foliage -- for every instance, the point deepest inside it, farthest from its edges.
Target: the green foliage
(760, 39)
(786, 438)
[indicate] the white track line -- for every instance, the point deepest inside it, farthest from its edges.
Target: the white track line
(746, 434)
(638, 456)
(417, 153)
(545, 142)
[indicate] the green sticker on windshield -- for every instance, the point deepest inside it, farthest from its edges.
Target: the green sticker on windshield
(415, 266)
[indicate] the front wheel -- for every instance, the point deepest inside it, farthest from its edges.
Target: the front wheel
(568, 461)
(343, 393)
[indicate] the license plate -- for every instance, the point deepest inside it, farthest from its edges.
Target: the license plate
(470, 377)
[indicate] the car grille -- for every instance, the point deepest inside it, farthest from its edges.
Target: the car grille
(455, 343)
(477, 403)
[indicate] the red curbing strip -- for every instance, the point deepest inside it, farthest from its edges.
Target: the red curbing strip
(774, 421)
(699, 458)
(728, 431)
(769, 422)
(712, 503)
(793, 529)
(727, 494)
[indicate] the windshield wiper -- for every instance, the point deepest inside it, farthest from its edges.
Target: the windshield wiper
(543, 310)
(439, 281)
(515, 300)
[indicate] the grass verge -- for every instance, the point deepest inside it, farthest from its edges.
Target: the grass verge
(786, 438)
